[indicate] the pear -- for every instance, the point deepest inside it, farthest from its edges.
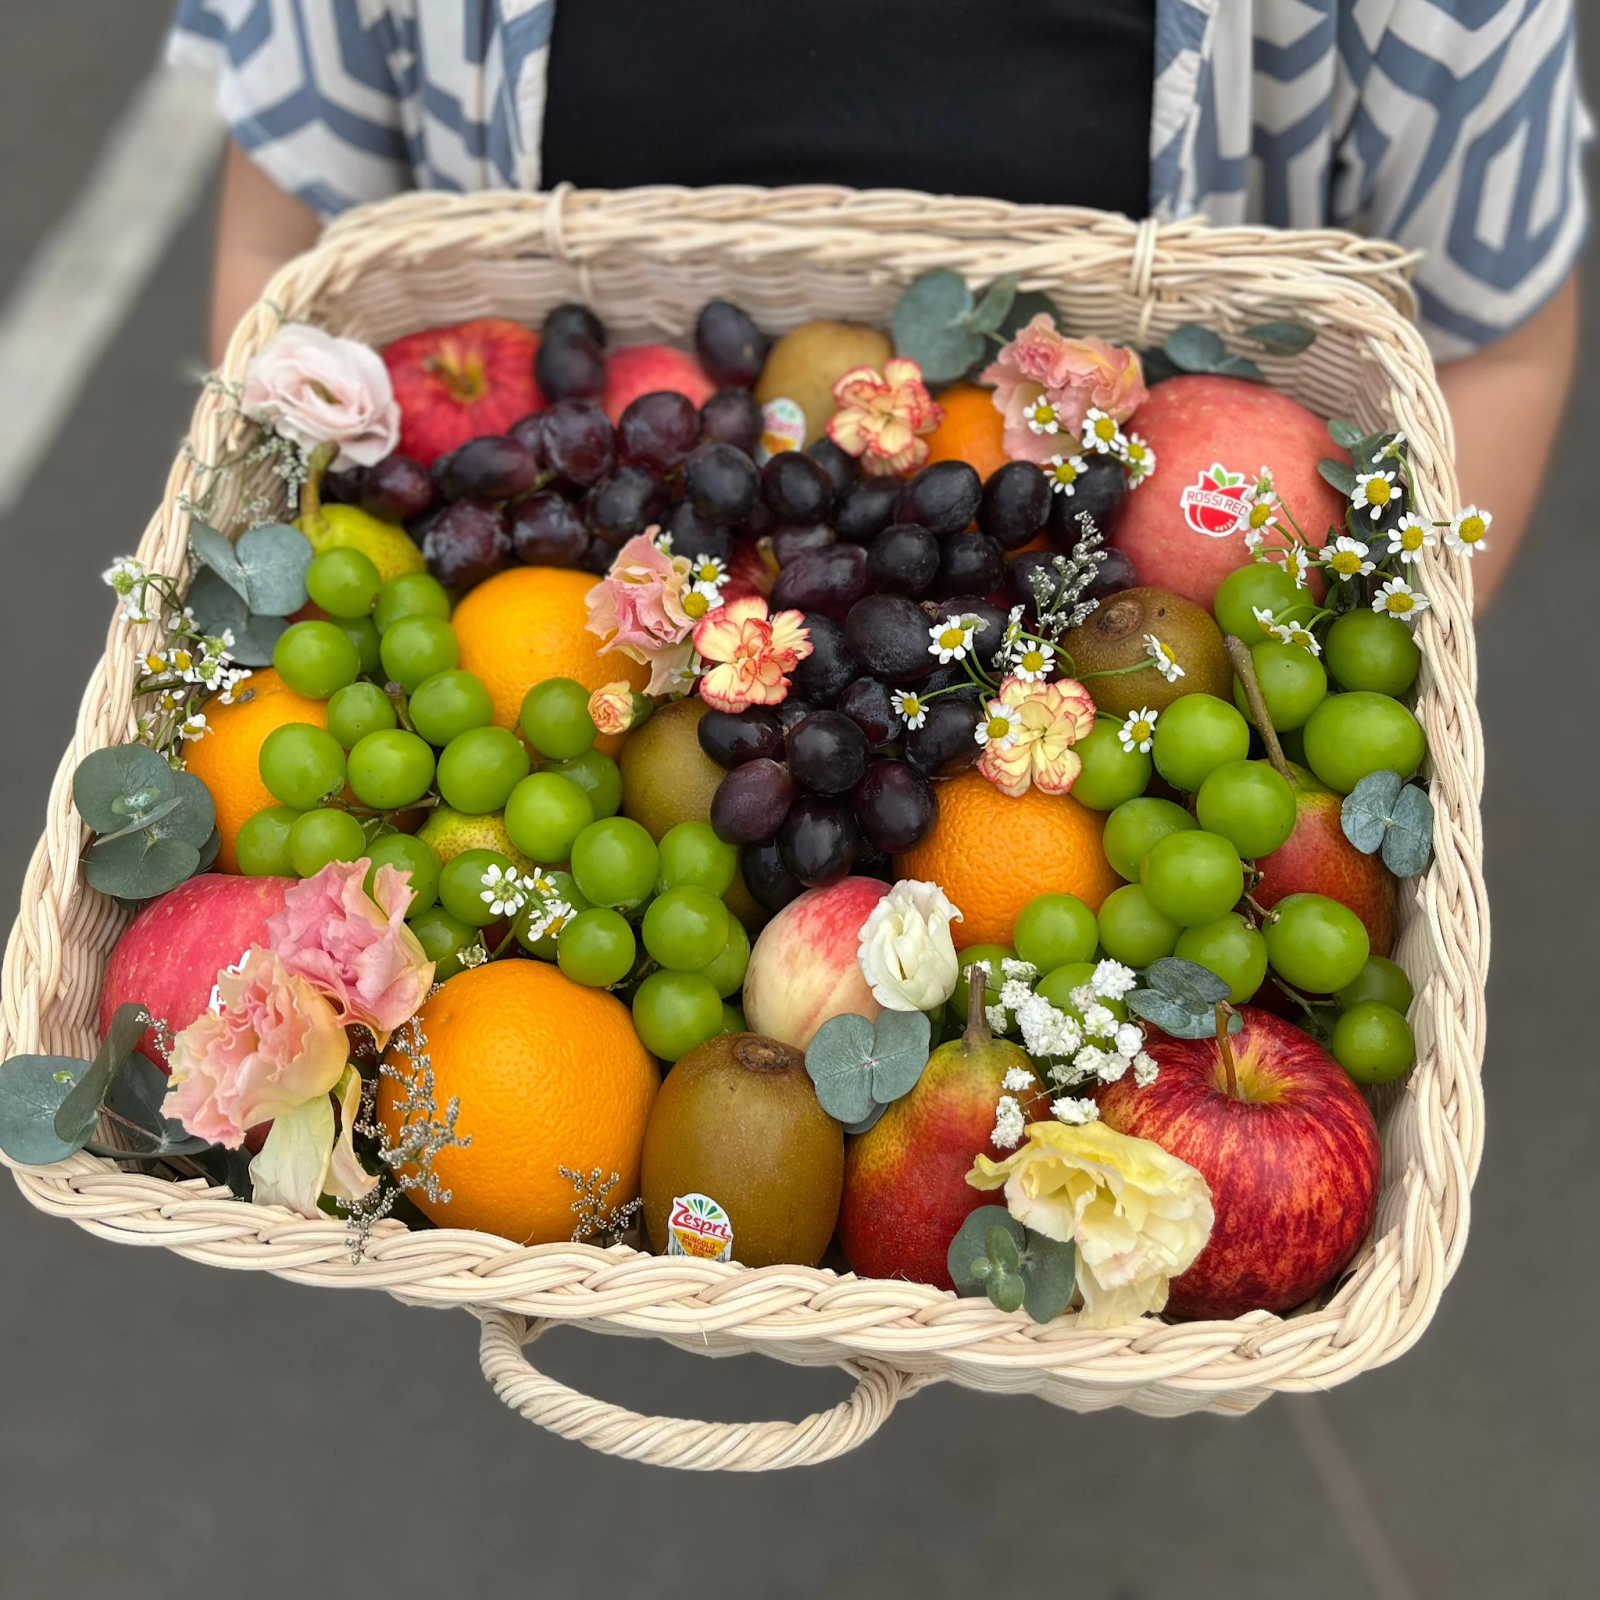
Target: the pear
(330, 527)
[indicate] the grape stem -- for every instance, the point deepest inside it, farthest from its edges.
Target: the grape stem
(1224, 1012)
(1244, 664)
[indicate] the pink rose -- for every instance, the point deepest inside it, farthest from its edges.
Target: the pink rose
(637, 608)
(355, 947)
(316, 389)
(271, 1044)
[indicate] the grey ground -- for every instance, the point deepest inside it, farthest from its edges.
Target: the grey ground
(166, 1429)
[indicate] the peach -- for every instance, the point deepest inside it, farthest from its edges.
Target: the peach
(638, 369)
(803, 968)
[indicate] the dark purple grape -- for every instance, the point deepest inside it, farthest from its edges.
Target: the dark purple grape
(888, 635)
(759, 523)
(829, 581)
(468, 543)
(417, 527)
(946, 743)
(771, 884)
(731, 416)
(842, 468)
(1031, 572)
(343, 488)
(569, 318)
(493, 467)
(819, 841)
(792, 709)
(972, 563)
(547, 530)
(570, 366)
(870, 705)
(821, 678)
(797, 488)
(952, 675)
(439, 472)
(1112, 576)
(1101, 490)
(722, 482)
(658, 429)
(396, 488)
(866, 508)
(529, 433)
(752, 801)
(989, 635)
(579, 442)
(730, 346)
(790, 540)
(827, 752)
(871, 862)
(903, 559)
(693, 535)
(942, 498)
(894, 806)
(733, 738)
(598, 558)
(627, 503)
(1015, 505)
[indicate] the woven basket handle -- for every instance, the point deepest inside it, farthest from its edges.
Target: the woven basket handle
(674, 1441)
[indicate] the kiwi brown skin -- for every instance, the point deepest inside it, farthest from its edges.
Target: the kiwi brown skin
(1113, 636)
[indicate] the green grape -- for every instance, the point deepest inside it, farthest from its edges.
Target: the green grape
(343, 582)
(414, 648)
(443, 938)
(412, 594)
(556, 720)
(357, 710)
(733, 1020)
(1380, 979)
(614, 861)
(1194, 736)
(1132, 931)
(1293, 683)
(675, 1011)
(406, 853)
(726, 972)
(1232, 949)
(301, 764)
(1373, 1042)
(544, 814)
(478, 769)
(1294, 746)
(1192, 878)
(315, 658)
(262, 844)
(448, 704)
(1053, 929)
(390, 770)
(1057, 986)
(364, 636)
(1250, 804)
(994, 954)
(595, 773)
(691, 853)
(461, 886)
(1315, 943)
(1352, 735)
(565, 888)
(318, 837)
(1136, 825)
(1264, 584)
(686, 929)
(1110, 774)
(1369, 649)
(597, 948)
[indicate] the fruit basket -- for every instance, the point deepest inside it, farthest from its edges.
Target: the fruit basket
(646, 261)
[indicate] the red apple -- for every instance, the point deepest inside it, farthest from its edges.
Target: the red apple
(456, 383)
(1181, 528)
(638, 369)
(1293, 1161)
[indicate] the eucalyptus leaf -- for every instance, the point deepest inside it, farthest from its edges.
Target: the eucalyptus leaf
(867, 1123)
(216, 553)
(1003, 1249)
(1240, 367)
(32, 1089)
(145, 820)
(140, 866)
(274, 558)
(1344, 434)
(930, 326)
(969, 1246)
(209, 851)
(995, 306)
(1342, 477)
(231, 1169)
(215, 604)
(1181, 998)
(1282, 338)
(194, 819)
(121, 784)
(137, 1095)
(839, 1059)
(254, 643)
(1025, 306)
(900, 1048)
(1195, 349)
(80, 1110)
(1368, 810)
(1050, 1271)
(1007, 1289)
(1409, 841)
(1158, 366)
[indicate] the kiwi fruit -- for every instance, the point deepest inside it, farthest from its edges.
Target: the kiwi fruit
(806, 362)
(1114, 637)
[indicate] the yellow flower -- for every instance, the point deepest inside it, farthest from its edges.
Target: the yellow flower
(1138, 1215)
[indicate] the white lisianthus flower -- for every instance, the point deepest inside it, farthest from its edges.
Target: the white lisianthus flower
(907, 955)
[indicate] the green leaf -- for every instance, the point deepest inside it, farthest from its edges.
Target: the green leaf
(1409, 841)
(75, 1120)
(217, 608)
(839, 1059)
(1385, 813)
(900, 1052)
(1195, 349)
(1007, 1289)
(215, 551)
(930, 326)
(32, 1089)
(1282, 338)
(1002, 1248)
(1240, 367)
(231, 1169)
(1181, 998)
(119, 785)
(209, 851)
(867, 1123)
(274, 559)
(1368, 810)
(1344, 434)
(968, 1246)
(141, 866)
(995, 306)
(136, 1096)
(1342, 477)
(1025, 306)
(1050, 1271)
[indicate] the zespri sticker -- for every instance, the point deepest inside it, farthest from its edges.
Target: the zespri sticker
(698, 1226)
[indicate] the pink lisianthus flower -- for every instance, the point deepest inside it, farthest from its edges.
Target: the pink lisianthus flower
(882, 417)
(355, 947)
(316, 389)
(1028, 735)
(1055, 381)
(271, 1043)
(753, 652)
(637, 608)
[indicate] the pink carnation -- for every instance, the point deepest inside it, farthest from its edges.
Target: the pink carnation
(637, 608)
(1028, 734)
(752, 652)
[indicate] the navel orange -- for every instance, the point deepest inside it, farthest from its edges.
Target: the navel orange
(971, 430)
(991, 855)
(549, 1074)
(224, 758)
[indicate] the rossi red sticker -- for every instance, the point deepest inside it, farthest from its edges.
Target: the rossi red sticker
(1218, 503)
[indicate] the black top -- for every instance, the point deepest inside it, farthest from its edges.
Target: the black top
(1026, 100)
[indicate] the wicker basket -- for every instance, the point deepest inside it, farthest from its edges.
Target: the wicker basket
(646, 260)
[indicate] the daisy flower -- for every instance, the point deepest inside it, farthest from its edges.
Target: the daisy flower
(1137, 732)
(1031, 660)
(1464, 536)
(1399, 599)
(951, 640)
(1139, 460)
(1166, 663)
(1297, 563)
(1103, 435)
(1375, 493)
(1265, 621)
(503, 891)
(1347, 557)
(911, 707)
(1041, 416)
(1064, 472)
(1000, 726)
(1409, 538)
(1294, 633)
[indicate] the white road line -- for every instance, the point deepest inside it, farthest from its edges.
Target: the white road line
(88, 271)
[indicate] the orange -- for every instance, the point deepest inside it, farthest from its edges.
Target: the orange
(549, 1075)
(970, 431)
(527, 624)
(991, 855)
(224, 757)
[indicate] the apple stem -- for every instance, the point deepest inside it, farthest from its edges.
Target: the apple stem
(1245, 665)
(977, 1031)
(1224, 1012)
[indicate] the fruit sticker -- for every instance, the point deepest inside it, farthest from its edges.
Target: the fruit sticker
(1214, 505)
(698, 1226)
(783, 427)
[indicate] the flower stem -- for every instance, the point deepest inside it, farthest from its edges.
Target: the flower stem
(1225, 1049)
(1244, 664)
(1118, 672)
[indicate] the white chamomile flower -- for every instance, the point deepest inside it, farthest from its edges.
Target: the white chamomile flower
(124, 574)
(1347, 557)
(910, 706)
(1265, 620)
(1102, 435)
(1000, 727)
(1138, 459)
(193, 727)
(1111, 980)
(1137, 732)
(1009, 1123)
(1260, 512)
(1016, 1079)
(1409, 538)
(1064, 472)
(952, 639)
(663, 541)
(1013, 625)
(1297, 563)
(474, 955)
(1074, 1112)
(155, 663)
(1296, 633)
(1399, 599)
(502, 892)
(140, 607)
(1165, 662)
(1031, 660)
(1041, 416)
(1464, 536)
(1375, 493)
(1253, 540)
(1145, 1069)
(230, 681)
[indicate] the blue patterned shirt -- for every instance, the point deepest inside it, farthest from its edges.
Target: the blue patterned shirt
(1455, 127)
